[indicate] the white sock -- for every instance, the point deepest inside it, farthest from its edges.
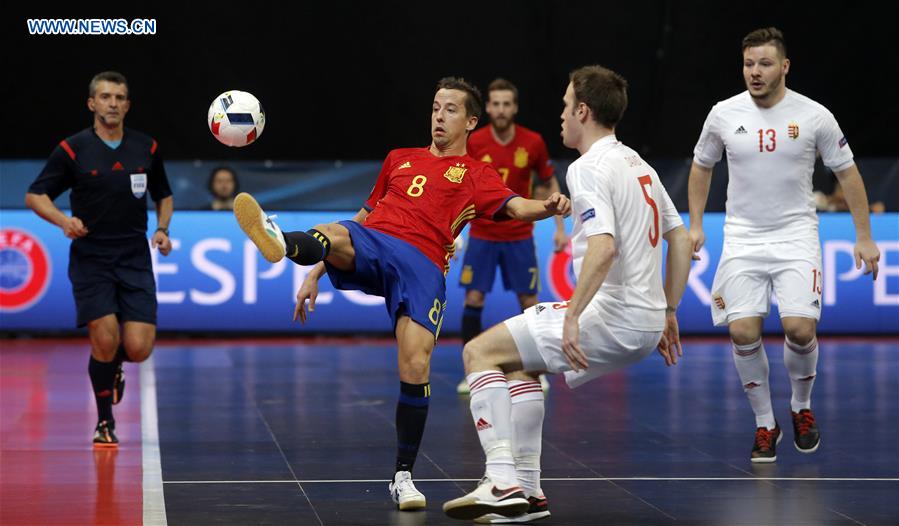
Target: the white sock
(752, 366)
(491, 410)
(801, 362)
(527, 433)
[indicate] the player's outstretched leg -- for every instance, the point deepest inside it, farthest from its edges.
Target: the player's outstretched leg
(303, 248)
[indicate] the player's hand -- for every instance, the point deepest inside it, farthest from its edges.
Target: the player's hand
(308, 291)
(697, 239)
(162, 242)
(576, 357)
(669, 346)
(560, 240)
(866, 250)
(73, 228)
(558, 204)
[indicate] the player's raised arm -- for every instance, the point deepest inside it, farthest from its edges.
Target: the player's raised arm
(534, 210)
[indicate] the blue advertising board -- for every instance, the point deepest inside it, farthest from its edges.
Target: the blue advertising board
(215, 280)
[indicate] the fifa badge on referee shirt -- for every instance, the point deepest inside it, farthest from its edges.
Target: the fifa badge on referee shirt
(456, 173)
(138, 185)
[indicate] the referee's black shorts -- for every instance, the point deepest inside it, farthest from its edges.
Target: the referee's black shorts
(112, 277)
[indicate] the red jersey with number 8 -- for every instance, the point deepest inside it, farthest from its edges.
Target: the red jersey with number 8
(515, 161)
(427, 200)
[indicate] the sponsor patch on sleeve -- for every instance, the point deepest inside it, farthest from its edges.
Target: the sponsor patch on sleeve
(588, 214)
(843, 142)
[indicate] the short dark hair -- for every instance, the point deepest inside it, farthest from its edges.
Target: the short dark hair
(109, 76)
(473, 101)
(218, 169)
(501, 84)
(766, 35)
(603, 91)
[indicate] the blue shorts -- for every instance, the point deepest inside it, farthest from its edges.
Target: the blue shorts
(517, 261)
(410, 283)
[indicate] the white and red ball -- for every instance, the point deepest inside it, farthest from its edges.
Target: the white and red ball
(236, 118)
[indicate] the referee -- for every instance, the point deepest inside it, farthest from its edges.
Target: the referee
(109, 169)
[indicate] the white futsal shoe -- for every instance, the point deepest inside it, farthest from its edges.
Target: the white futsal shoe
(488, 498)
(404, 494)
(260, 228)
(538, 509)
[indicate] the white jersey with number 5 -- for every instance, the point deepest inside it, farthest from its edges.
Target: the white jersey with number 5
(614, 191)
(770, 159)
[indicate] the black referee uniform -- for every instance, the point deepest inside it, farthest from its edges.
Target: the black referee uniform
(110, 267)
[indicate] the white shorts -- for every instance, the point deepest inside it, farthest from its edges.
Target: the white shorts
(747, 274)
(538, 335)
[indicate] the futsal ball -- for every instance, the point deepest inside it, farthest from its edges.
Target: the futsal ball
(236, 118)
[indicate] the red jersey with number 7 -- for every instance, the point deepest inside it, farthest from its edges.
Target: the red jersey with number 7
(427, 200)
(516, 162)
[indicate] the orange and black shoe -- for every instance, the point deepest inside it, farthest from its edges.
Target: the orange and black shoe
(104, 435)
(765, 448)
(805, 431)
(118, 385)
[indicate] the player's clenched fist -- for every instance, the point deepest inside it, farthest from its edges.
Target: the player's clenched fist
(558, 203)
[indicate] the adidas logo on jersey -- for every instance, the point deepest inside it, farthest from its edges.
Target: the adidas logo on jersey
(816, 304)
(483, 424)
(741, 131)
(406, 164)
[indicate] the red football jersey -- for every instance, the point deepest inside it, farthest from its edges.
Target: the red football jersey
(525, 153)
(427, 200)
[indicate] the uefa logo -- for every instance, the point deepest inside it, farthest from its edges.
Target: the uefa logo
(24, 270)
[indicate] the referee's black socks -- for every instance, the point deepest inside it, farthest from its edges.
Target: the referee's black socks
(121, 355)
(307, 248)
(102, 377)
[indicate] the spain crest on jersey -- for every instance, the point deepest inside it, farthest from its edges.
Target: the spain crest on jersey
(456, 173)
(521, 157)
(793, 130)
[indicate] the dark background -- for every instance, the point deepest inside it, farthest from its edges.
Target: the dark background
(350, 80)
